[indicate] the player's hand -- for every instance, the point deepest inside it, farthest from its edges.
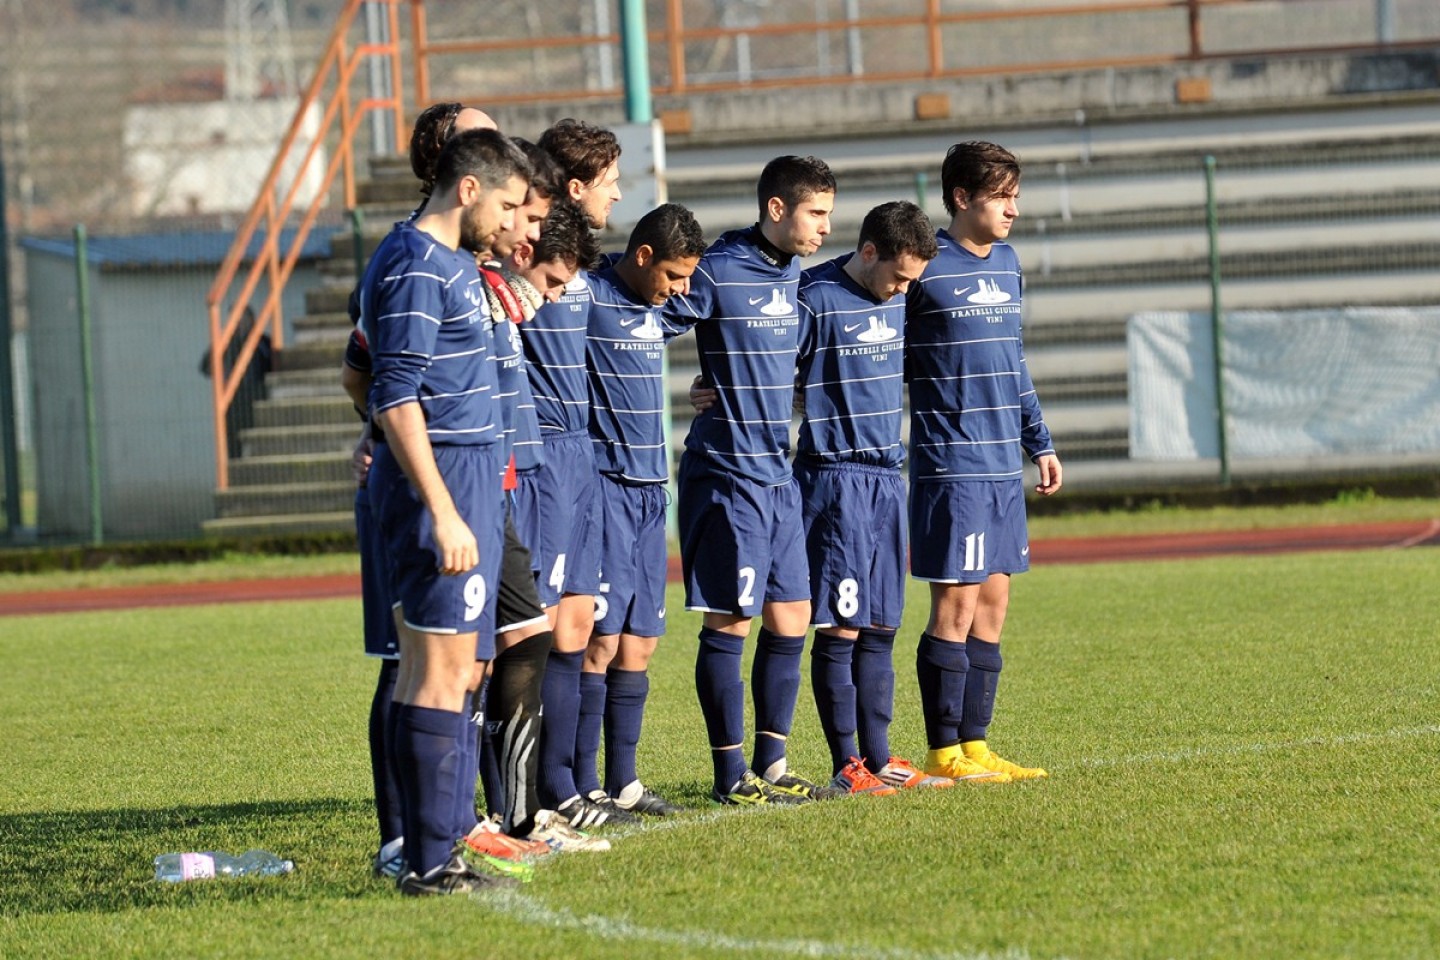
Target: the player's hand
(361, 459)
(455, 542)
(1049, 465)
(702, 395)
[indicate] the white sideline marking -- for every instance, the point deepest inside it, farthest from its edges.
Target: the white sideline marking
(1178, 756)
(528, 910)
(516, 906)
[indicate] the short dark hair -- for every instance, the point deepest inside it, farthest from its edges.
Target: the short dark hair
(582, 150)
(794, 180)
(979, 168)
(548, 180)
(897, 228)
(487, 155)
(565, 236)
(670, 230)
(432, 128)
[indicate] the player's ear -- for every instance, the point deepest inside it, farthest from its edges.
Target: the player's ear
(575, 188)
(644, 254)
(469, 190)
(775, 208)
(962, 199)
(523, 255)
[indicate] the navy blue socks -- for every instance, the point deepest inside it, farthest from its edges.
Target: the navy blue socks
(873, 673)
(722, 702)
(428, 752)
(560, 692)
(775, 683)
(940, 666)
(624, 712)
(587, 732)
(388, 810)
(831, 679)
(980, 684)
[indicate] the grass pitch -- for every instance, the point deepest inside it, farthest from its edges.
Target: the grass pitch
(1242, 757)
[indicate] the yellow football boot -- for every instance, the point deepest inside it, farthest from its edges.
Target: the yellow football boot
(979, 754)
(951, 762)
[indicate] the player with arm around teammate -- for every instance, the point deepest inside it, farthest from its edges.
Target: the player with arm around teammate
(974, 417)
(554, 506)
(625, 360)
(848, 458)
(435, 484)
(742, 540)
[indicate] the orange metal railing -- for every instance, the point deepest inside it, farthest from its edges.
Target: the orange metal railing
(674, 45)
(261, 249)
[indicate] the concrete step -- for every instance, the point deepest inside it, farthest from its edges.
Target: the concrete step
(289, 384)
(281, 524)
(301, 468)
(289, 441)
(328, 297)
(283, 499)
(308, 411)
(322, 326)
(317, 352)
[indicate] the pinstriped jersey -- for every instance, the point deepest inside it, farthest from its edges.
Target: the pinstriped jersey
(973, 409)
(852, 369)
(554, 342)
(625, 353)
(430, 341)
(522, 430)
(742, 302)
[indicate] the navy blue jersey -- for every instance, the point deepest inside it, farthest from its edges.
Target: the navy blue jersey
(852, 369)
(742, 304)
(625, 355)
(522, 429)
(973, 408)
(429, 338)
(555, 350)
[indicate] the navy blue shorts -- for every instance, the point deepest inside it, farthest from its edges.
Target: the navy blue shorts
(377, 611)
(432, 602)
(742, 543)
(632, 559)
(855, 538)
(961, 531)
(554, 506)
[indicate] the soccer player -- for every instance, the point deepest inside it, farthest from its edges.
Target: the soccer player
(531, 275)
(851, 377)
(435, 125)
(435, 484)
(625, 357)
(973, 416)
(553, 506)
(742, 541)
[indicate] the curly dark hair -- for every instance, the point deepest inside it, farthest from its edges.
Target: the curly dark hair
(432, 128)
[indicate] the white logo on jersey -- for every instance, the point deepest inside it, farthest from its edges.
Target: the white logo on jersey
(879, 332)
(1025, 551)
(960, 291)
(755, 300)
(576, 284)
(473, 296)
(626, 323)
(515, 344)
(778, 305)
(989, 292)
(649, 330)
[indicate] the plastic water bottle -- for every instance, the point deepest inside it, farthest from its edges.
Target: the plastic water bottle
(177, 867)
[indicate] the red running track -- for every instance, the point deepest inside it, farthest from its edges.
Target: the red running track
(1060, 550)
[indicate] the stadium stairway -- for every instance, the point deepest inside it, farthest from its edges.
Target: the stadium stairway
(1103, 235)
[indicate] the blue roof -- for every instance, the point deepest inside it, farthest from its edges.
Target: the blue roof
(199, 249)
